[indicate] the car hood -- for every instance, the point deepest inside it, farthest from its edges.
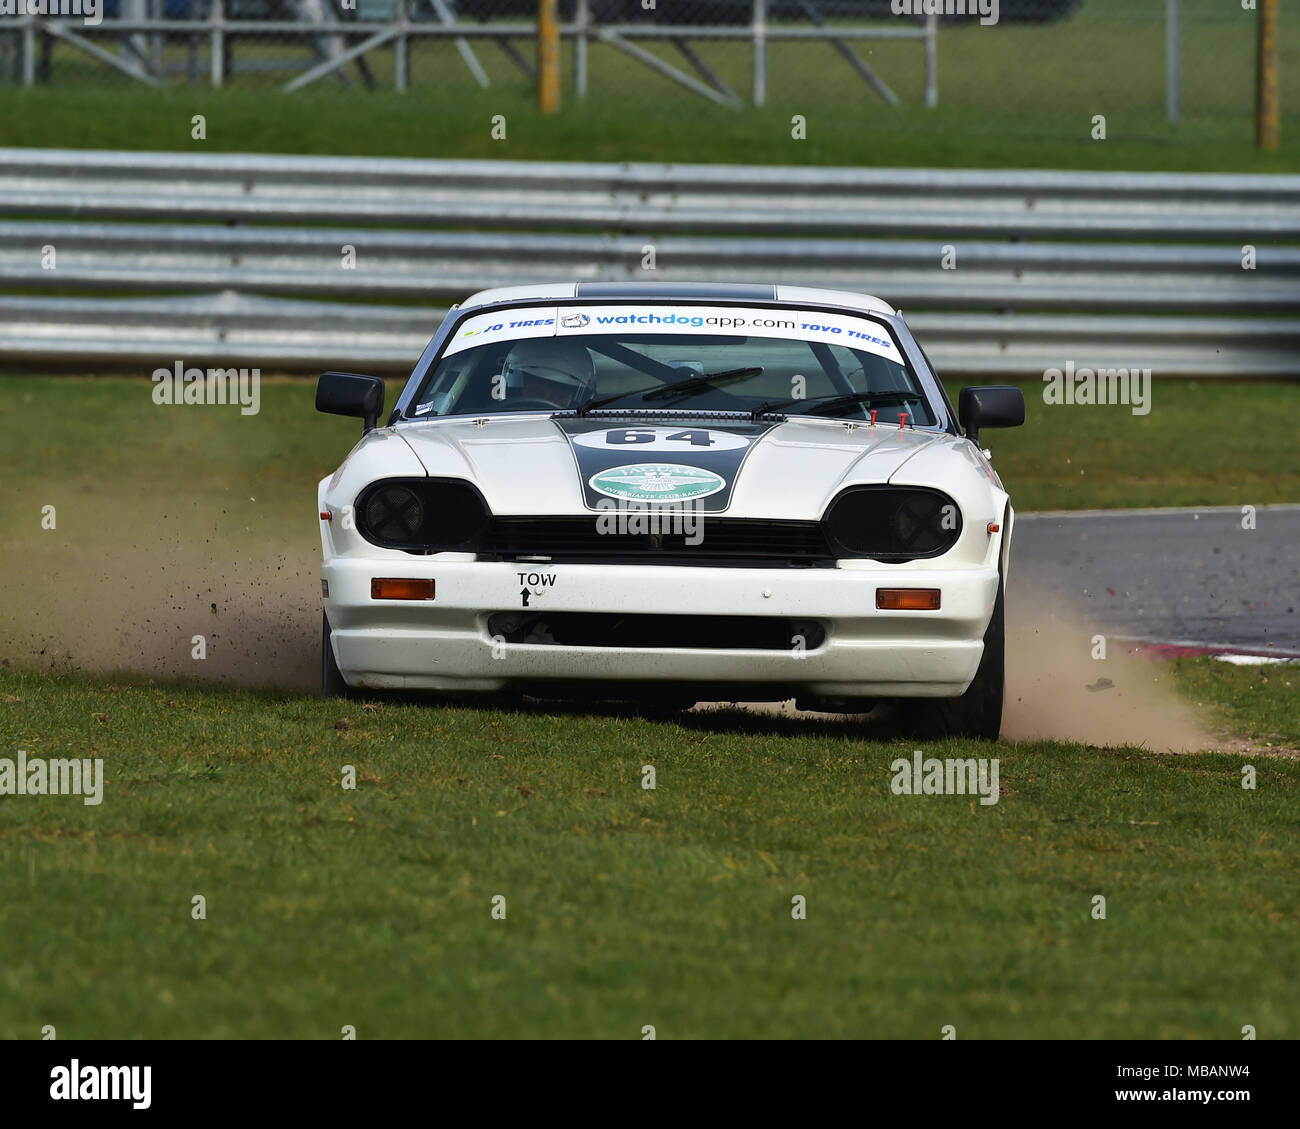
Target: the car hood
(538, 464)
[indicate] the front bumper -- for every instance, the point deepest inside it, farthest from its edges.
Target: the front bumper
(445, 644)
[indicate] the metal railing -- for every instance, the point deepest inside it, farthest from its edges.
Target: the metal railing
(339, 42)
(718, 199)
(980, 306)
(419, 264)
(276, 334)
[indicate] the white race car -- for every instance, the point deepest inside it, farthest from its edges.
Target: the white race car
(671, 493)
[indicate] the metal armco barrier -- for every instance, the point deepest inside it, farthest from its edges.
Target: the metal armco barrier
(998, 272)
(715, 199)
(984, 275)
(285, 335)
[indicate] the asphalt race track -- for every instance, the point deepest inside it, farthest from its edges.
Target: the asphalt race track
(1180, 576)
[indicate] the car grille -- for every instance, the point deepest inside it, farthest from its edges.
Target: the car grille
(664, 632)
(728, 542)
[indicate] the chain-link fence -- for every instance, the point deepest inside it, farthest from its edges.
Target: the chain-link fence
(1002, 60)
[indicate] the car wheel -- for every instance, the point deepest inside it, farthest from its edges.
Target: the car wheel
(331, 678)
(978, 712)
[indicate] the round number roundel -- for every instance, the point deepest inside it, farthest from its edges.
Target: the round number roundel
(656, 482)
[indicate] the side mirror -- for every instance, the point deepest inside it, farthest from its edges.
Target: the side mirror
(350, 394)
(994, 406)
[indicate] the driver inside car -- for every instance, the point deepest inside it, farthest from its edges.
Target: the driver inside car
(554, 370)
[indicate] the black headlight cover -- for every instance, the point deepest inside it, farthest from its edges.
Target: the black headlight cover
(422, 515)
(892, 523)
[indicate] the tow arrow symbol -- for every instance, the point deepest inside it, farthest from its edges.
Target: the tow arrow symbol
(524, 593)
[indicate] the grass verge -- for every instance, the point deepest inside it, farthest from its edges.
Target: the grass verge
(624, 906)
(1258, 702)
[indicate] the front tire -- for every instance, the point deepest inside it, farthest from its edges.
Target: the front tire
(331, 678)
(978, 712)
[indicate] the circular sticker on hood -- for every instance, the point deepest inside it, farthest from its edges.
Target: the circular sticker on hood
(656, 482)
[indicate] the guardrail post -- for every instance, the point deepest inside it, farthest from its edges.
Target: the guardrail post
(1267, 109)
(136, 11)
(931, 60)
(402, 48)
(1173, 60)
(29, 51)
(583, 19)
(548, 56)
(156, 12)
(758, 31)
(217, 54)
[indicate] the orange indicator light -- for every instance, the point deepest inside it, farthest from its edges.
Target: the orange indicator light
(908, 599)
(393, 588)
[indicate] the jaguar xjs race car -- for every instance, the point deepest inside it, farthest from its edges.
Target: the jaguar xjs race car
(671, 493)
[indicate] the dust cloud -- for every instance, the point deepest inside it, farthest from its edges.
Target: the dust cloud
(102, 608)
(106, 604)
(1056, 690)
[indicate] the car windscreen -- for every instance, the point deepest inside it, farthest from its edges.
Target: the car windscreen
(687, 358)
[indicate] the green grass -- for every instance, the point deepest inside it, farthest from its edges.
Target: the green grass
(624, 907)
(382, 123)
(1014, 95)
(1259, 702)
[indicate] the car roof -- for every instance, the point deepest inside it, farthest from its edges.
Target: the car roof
(683, 291)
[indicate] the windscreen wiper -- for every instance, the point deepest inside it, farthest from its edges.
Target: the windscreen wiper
(677, 387)
(703, 380)
(839, 400)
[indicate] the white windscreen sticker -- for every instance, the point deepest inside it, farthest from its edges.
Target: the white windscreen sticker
(502, 325)
(798, 325)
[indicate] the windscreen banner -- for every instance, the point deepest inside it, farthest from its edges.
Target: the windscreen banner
(815, 326)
